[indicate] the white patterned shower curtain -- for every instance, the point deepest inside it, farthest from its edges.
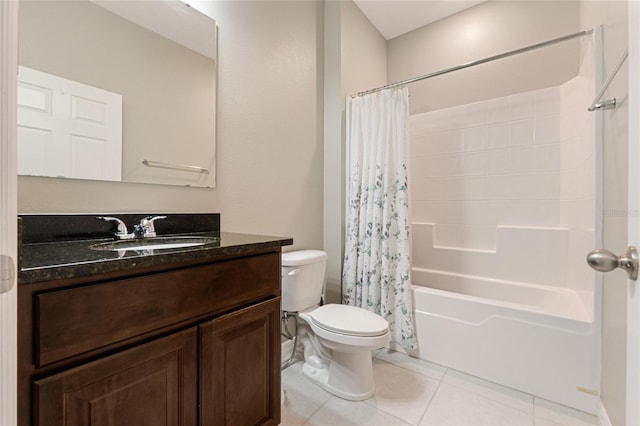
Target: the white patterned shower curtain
(376, 272)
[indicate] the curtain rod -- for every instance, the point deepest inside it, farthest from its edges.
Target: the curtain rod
(476, 62)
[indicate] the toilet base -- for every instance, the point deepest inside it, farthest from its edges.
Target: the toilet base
(349, 376)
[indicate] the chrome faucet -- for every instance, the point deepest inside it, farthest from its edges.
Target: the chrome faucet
(122, 233)
(146, 227)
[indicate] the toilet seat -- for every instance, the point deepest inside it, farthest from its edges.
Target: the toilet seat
(349, 320)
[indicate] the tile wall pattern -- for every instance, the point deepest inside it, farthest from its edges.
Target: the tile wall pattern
(515, 167)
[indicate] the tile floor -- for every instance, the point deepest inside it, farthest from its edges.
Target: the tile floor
(410, 391)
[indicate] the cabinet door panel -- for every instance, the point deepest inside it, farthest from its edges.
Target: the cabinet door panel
(153, 384)
(240, 367)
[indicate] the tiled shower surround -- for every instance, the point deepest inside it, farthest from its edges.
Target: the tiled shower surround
(505, 188)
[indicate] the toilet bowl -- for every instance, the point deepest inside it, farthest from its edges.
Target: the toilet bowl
(337, 339)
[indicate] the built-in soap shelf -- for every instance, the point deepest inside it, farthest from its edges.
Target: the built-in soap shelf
(473, 238)
(539, 253)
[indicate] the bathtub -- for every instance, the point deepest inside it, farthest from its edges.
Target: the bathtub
(536, 339)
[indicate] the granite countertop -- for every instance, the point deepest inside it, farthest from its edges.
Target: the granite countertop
(48, 261)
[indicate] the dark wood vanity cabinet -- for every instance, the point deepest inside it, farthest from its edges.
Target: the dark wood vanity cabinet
(195, 343)
(150, 384)
(237, 366)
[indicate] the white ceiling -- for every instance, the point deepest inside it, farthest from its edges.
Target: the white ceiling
(396, 17)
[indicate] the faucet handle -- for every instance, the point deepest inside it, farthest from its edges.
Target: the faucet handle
(147, 227)
(122, 231)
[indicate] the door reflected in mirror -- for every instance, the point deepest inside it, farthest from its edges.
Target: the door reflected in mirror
(125, 94)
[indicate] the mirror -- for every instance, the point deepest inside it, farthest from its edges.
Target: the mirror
(117, 91)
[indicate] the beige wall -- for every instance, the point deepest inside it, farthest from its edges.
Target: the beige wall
(613, 15)
(364, 52)
(488, 29)
(333, 152)
(269, 166)
(355, 60)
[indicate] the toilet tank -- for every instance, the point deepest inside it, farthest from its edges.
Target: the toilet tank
(302, 279)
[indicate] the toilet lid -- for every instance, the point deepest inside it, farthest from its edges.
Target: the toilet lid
(349, 320)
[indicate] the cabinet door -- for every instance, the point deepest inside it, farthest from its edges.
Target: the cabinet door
(240, 367)
(152, 384)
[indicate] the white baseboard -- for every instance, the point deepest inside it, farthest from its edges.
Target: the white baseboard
(603, 417)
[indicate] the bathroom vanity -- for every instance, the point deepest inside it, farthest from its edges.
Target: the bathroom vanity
(177, 336)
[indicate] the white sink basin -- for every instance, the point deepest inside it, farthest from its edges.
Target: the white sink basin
(157, 243)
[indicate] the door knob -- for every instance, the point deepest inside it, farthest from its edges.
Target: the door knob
(604, 261)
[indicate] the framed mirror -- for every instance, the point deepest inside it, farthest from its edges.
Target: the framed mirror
(117, 91)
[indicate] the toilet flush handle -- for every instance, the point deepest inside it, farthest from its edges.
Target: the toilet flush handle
(293, 272)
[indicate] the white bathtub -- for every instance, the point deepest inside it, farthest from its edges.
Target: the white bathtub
(536, 339)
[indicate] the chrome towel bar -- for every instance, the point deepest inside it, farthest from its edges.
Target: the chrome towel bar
(197, 169)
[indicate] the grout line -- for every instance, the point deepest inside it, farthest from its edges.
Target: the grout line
(389, 414)
(397, 418)
(414, 371)
(306, 421)
(424, 413)
(499, 387)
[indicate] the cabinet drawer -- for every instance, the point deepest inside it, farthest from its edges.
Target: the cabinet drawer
(70, 322)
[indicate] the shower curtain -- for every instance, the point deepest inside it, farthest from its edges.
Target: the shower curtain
(376, 272)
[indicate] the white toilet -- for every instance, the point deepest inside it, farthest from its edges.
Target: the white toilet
(337, 339)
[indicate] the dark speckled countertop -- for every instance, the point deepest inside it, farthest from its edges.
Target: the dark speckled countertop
(68, 259)
(60, 259)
